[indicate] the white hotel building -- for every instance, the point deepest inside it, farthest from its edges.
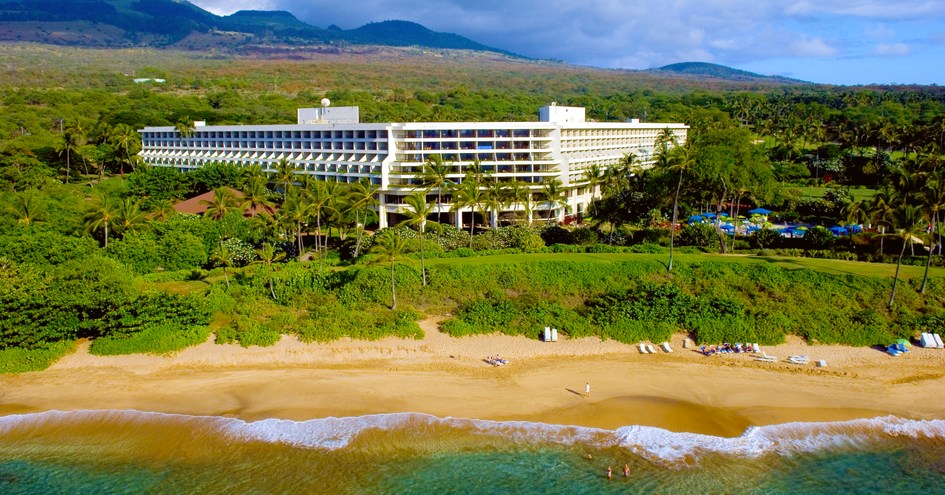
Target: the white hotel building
(331, 144)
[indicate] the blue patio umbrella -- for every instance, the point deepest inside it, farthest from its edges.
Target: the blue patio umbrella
(838, 230)
(759, 211)
(709, 214)
(695, 218)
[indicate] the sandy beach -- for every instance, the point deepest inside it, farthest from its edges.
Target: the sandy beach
(443, 376)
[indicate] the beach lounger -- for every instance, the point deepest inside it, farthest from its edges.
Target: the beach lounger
(799, 359)
(546, 336)
(938, 340)
(651, 349)
(755, 347)
(666, 347)
(643, 349)
(927, 340)
(766, 358)
(554, 334)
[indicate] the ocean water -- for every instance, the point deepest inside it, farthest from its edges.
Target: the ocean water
(119, 452)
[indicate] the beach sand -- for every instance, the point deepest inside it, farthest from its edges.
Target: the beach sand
(443, 376)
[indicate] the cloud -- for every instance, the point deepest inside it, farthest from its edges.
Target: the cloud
(811, 47)
(227, 7)
(892, 49)
(623, 34)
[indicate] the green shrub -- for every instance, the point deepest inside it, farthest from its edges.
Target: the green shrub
(247, 331)
(819, 238)
(158, 339)
(584, 236)
(19, 360)
(697, 234)
(764, 239)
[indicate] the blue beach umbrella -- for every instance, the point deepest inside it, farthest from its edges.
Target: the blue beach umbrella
(695, 218)
(759, 211)
(838, 230)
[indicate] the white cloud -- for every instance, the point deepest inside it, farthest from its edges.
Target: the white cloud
(227, 7)
(811, 47)
(637, 34)
(892, 49)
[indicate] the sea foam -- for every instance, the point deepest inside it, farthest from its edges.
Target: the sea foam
(655, 444)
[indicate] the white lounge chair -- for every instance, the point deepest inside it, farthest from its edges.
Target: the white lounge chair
(755, 347)
(643, 349)
(938, 340)
(554, 334)
(651, 349)
(799, 359)
(766, 358)
(546, 336)
(927, 340)
(666, 347)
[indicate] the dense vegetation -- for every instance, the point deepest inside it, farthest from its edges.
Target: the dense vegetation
(90, 246)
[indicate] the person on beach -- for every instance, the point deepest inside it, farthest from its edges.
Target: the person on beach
(626, 471)
(587, 389)
(610, 473)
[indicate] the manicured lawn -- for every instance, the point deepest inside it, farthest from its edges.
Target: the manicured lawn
(811, 192)
(821, 265)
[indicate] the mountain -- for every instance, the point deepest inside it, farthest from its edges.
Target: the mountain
(181, 24)
(716, 71)
(405, 33)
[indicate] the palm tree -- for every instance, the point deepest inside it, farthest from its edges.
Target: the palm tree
(881, 209)
(677, 160)
(285, 174)
(435, 175)
(392, 245)
(296, 211)
(128, 142)
(185, 129)
(164, 209)
(933, 199)
(223, 256)
(102, 213)
(129, 215)
(520, 194)
(468, 194)
(908, 222)
(71, 142)
(496, 198)
(256, 195)
(363, 199)
(417, 214)
(555, 195)
(594, 175)
(28, 208)
(223, 202)
(268, 256)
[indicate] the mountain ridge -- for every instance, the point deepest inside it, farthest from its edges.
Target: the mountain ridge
(165, 23)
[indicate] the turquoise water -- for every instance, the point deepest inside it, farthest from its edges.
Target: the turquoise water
(117, 452)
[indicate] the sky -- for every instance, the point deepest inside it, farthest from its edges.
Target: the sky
(844, 42)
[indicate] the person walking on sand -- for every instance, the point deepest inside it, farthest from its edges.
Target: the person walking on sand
(610, 473)
(626, 471)
(587, 389)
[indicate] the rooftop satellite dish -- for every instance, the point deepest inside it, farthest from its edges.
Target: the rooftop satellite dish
(326, 102)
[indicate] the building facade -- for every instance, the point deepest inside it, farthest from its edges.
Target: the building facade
(331, 144)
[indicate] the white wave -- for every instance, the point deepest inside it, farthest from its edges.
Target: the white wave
(649, 442)
(783, 439)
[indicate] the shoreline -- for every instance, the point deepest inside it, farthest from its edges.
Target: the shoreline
(442, 376)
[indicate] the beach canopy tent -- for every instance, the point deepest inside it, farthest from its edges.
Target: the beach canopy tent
(904, 342)
(759, 211)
